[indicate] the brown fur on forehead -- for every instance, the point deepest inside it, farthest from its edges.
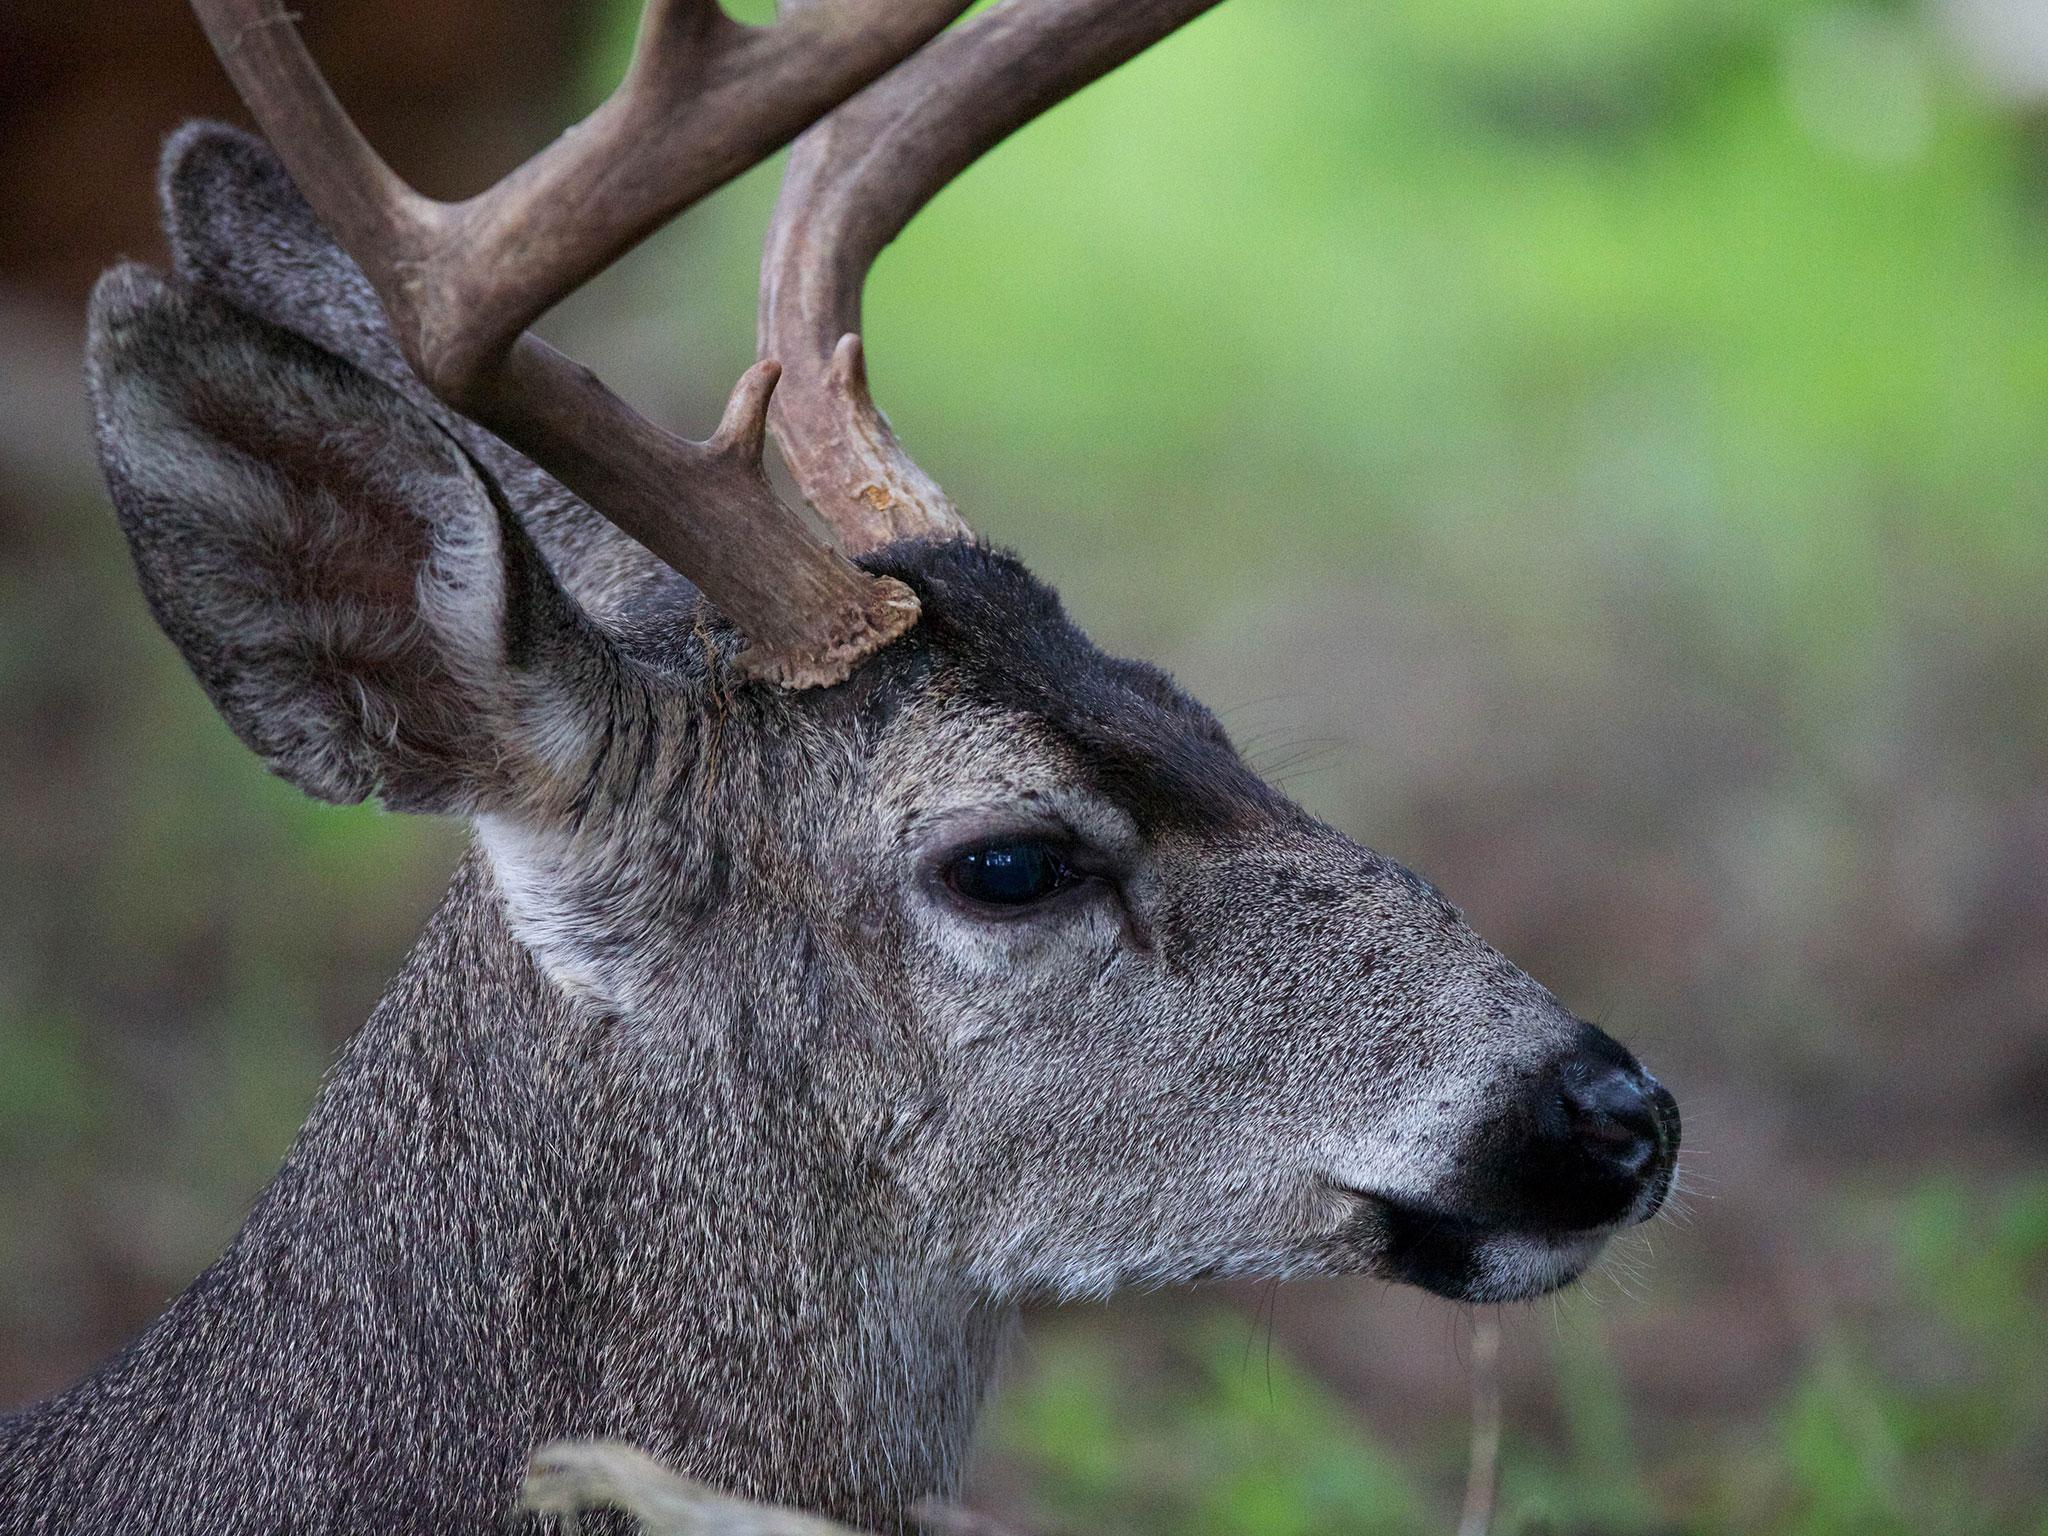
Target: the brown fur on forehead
(1000, 635)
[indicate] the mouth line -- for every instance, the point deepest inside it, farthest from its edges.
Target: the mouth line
(1455, 1225)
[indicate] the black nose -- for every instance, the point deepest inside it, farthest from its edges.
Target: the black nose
(1598, 1141)
(1612, 1111)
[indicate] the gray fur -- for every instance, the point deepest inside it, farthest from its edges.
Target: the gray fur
(705, 1116)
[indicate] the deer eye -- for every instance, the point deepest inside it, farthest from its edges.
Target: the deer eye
(1009, 874)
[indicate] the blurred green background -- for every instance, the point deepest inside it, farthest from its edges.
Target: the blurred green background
(1593, 452)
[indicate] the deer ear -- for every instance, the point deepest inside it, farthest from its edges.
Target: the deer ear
(348, 587)
(239, 228)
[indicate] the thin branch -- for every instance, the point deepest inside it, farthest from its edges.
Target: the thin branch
(570, 1477)
(1482, 1469)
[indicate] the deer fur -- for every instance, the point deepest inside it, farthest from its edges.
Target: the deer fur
(700, 1117)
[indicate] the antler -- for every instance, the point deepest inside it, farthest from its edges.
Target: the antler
(855, 179)
(703, 99)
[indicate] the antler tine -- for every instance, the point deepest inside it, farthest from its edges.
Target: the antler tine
(703, 99)
(855, 179)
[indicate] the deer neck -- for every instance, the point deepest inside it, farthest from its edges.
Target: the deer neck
(485, 1238)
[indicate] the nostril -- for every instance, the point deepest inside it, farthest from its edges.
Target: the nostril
(1594, 1138)
(1614, 1118)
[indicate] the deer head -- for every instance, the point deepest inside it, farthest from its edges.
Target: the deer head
(1059, 995)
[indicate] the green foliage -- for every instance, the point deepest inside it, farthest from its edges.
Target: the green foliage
(1590, 1478)
(1221, 1439)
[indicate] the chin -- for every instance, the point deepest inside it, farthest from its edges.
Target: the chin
(1471, 1261)
(1515, 1266)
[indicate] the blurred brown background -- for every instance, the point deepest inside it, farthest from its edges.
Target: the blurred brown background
(1595, 456)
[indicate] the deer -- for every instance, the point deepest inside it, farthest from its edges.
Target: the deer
(848, 953)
